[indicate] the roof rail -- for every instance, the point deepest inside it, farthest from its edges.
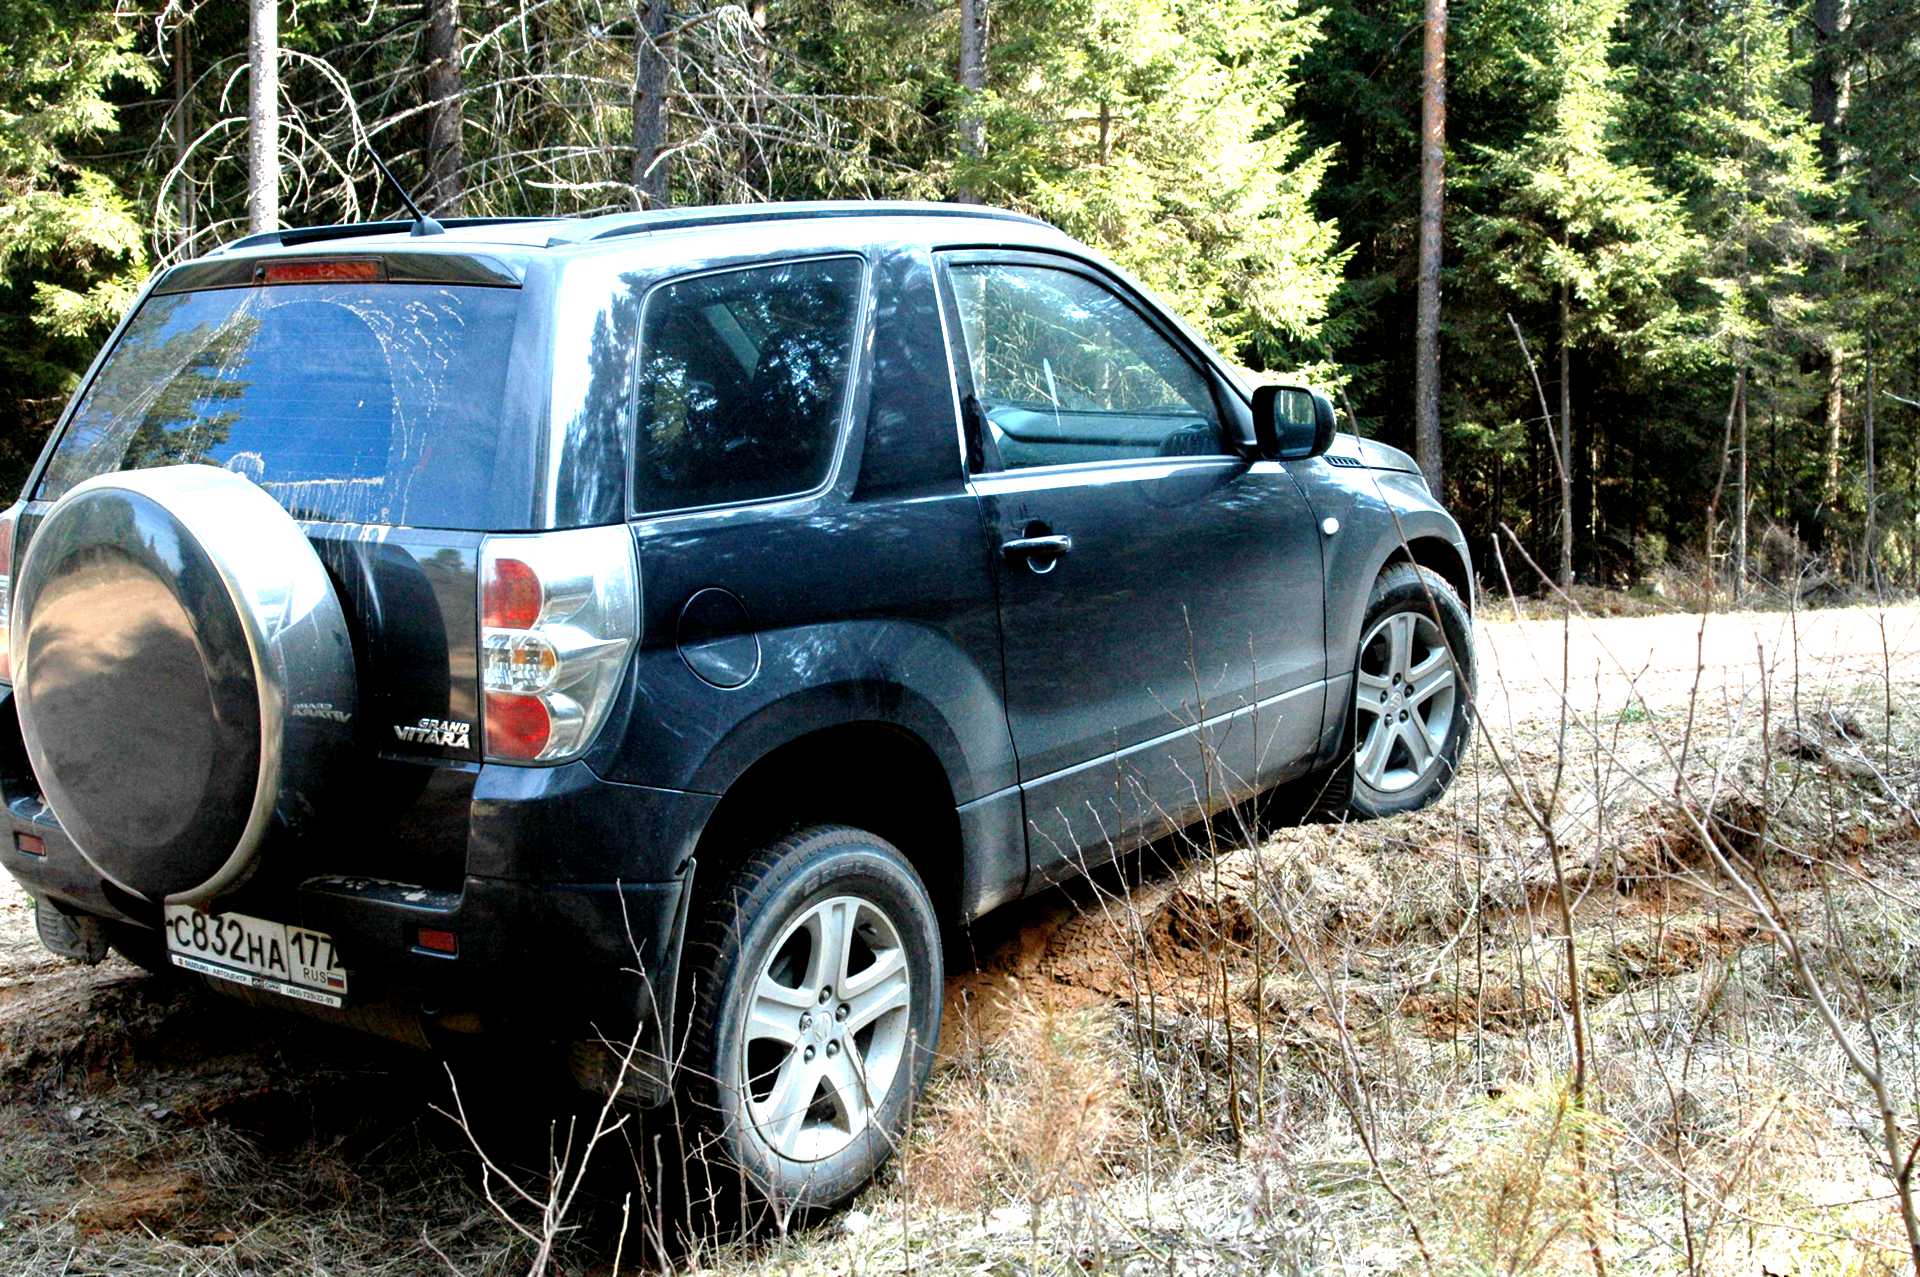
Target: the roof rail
(295, 235)
(571, 230)
(614, 225)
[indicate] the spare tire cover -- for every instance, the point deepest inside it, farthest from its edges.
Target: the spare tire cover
(183, 672)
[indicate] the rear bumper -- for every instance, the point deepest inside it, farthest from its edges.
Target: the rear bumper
(567, 922)
(558, 955)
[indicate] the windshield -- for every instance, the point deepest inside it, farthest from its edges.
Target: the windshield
(366, 403)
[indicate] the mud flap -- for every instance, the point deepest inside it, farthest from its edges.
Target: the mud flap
(78, 937)
(646, 1081)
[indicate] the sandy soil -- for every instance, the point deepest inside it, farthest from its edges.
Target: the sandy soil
(107, 1075)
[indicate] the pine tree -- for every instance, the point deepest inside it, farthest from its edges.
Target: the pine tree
(1881, 286)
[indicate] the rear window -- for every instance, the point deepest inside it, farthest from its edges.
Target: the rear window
(368, 403)
(742, 379)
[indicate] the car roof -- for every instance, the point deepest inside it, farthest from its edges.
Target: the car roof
(859, 221)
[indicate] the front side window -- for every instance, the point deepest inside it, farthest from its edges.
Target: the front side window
(1066, 371)
(743, 377)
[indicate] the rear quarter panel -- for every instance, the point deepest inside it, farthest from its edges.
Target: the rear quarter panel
(870, 601)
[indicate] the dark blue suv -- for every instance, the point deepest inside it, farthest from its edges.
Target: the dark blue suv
(652, 632)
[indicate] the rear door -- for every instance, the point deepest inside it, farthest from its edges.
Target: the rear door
(1160, 594)
(376, 409)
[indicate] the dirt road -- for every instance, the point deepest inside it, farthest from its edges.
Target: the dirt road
(140, 1115)
(1612, 662)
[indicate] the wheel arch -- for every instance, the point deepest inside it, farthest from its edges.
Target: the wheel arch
(1440, 555)
(1390, 524)
(869, 773)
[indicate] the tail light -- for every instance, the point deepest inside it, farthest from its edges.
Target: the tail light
(559, 612)
(8, 522)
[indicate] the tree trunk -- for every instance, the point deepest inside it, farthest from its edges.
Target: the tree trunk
(1586, 495)
(1565, 441)
(1869, 551)
(1913, 504)
(1634, 457)
(1720, 479)
(1913, 489)
(651, 165)
(756, 169)
(1836, 413)
(1831, 84)
(1829, 92)
(1740, 510)
(446, 115)
(973, 81)
(182, 130)
(263, 115)
(1433, 161)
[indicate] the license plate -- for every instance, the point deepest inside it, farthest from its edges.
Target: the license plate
(258, 953)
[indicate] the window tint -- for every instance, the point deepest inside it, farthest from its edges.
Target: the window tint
(376, 403)
(742, 376)
(1066, 371)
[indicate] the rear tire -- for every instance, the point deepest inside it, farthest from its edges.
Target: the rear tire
(814, 978)
(1413, 693)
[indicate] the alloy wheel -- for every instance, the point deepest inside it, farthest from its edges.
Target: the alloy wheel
(826, 1028)
(1406, 693)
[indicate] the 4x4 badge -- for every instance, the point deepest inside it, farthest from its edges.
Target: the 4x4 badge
(446, 732)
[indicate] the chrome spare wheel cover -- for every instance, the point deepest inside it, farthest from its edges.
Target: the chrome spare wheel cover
(826, 1028)
(184, 676)
(1406, 693)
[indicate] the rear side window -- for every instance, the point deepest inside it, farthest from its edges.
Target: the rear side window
(372, 403)
(743, 376)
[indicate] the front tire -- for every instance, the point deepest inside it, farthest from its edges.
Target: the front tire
(1412, 695)
(815, 985)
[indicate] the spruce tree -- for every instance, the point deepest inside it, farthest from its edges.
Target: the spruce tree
(1565, 223)
(71, 243)
(1755, 185)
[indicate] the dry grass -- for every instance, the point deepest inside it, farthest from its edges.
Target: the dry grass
(1039, 1113)
(1387, 1009)
(1336, 1049)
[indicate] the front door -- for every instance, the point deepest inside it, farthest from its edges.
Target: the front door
(1161, 605)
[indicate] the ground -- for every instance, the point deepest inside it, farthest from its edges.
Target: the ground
(1346, 1049)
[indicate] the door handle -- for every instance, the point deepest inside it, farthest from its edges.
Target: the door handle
(1048, 547)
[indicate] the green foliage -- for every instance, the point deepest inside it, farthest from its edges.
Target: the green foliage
(1253, 161)
(71, 250)
(1752, 172)
(1564, 208)
(1160, 131)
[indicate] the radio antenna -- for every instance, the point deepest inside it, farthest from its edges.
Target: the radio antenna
(422, 224)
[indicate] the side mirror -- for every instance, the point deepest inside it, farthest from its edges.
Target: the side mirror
(1292, 423)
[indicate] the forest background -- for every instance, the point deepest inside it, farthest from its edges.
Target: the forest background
(1679, 269)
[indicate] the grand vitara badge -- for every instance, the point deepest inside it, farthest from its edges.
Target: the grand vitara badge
(448, 733)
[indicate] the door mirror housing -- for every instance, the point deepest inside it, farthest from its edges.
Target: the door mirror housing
(1292, 423)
